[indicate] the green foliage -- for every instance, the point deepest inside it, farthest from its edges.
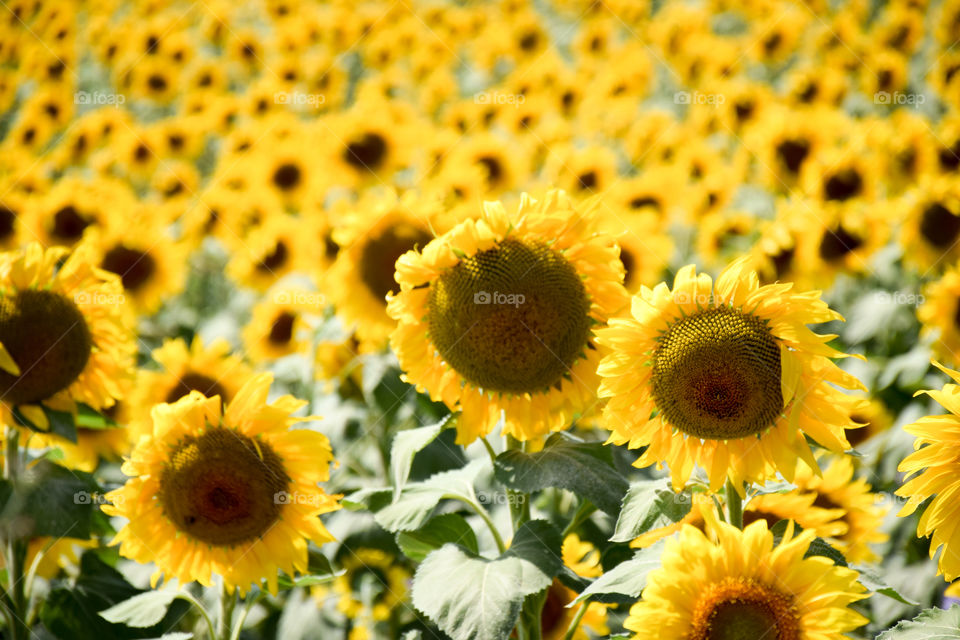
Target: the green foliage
(471, 597)
(566, 462)
(72, 611)
(649, 504)
(50, 500)
(931, 624)
(438, 531)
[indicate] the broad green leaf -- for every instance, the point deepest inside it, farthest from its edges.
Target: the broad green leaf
(931, 624)
(72, 611)
(870, 578)
(469, 597)
(50, 500)
(625, 582)
(649, 504)
(418, 499)
(450, 527)
(537, 545)
(406, 444)
(585, 468)
(142, 610)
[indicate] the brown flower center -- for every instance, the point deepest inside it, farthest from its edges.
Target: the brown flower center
(48, 337)
(716, 375)
(221, 487)
(513, 318)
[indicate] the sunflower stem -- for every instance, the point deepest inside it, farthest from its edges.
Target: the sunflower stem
(518, 501)
(184, 595)
(572, 629)
(248, 604)
(228, 602)
(582, 513)
(15, 548)
(734, 506)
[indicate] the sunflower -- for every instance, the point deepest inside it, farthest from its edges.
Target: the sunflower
(838, 238)
(862, 512)
(939, 315)
(211, 370)
(337, 364)
(737, 584)
(645, 249)
(12, 208)
(225, 490)
(497, 315)
(278, 324)
(932, 226)
(64, 336)
(875, 417)
(930, 472)
(271, 250)
(371, 239)
(794, 505)
(735, 376)
(149, 264)
(583, 559)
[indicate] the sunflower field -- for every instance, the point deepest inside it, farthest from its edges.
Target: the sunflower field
(480, 319)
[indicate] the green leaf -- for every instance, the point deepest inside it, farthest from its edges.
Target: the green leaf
(537, 545)
(418, 500)
(50, 500)
(872, 580)
(406, 444)
(73, 611)
(469, 597)
(90, 418)
(438, 531)
(649, 504)
(142, 610)
(585, 468)
(625, 582)
(367, 500)
(819, 546)
(61, 423)
(931, 624)
(319, 571)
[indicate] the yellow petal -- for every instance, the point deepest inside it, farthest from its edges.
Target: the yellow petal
(7, 363)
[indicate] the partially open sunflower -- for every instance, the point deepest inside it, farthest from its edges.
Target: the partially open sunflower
(724, 375)
(230, 491)
(931, 472)
(64, 337)
(737, 584)
(497, 316)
